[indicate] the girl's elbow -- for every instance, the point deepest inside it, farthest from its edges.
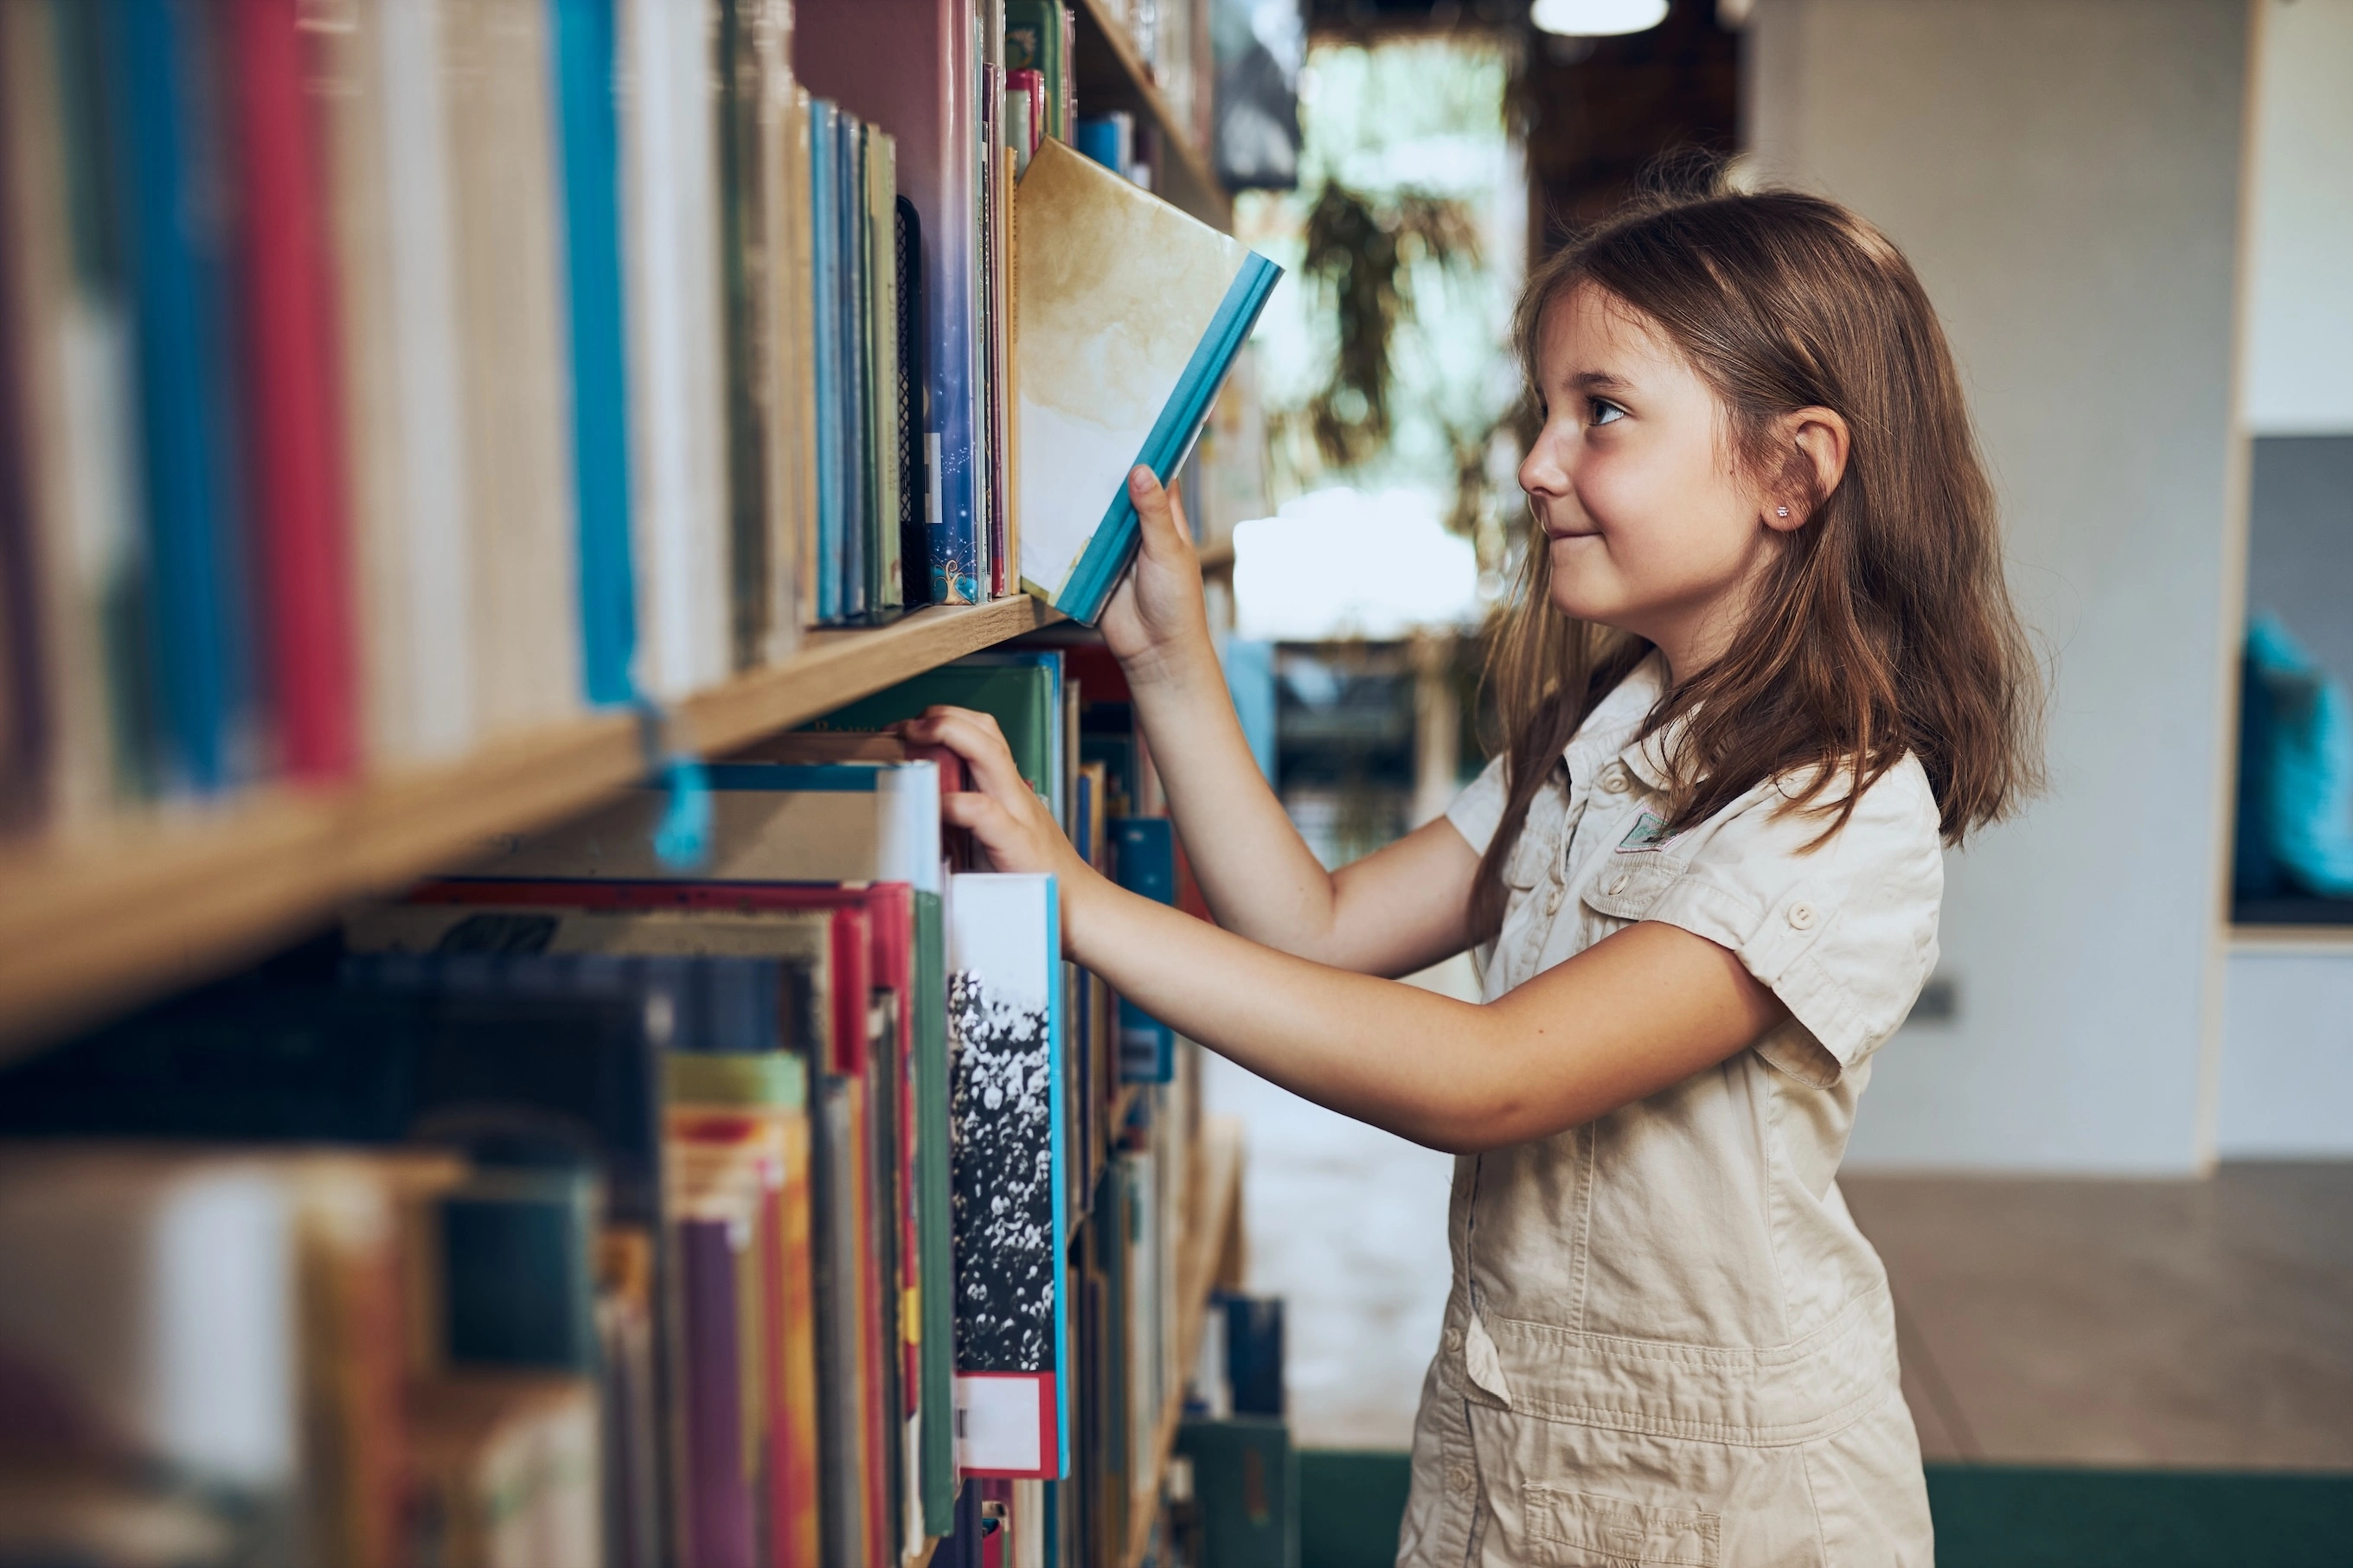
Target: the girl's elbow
(1472, 1122)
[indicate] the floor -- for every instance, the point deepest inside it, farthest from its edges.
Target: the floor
(2203, 1325)
(2128, 1323)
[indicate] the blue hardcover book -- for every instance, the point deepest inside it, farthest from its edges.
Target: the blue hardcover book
(1145, 851)
(171, 168)
(825, 224)
(587, 155)
(1130, 316)
(1008, 1112)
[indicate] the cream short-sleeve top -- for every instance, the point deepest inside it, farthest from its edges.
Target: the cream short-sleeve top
(1666, 1342)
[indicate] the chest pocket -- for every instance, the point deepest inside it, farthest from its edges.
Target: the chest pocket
(1627, 886)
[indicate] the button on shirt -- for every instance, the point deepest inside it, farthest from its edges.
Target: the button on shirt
(1666, 1340)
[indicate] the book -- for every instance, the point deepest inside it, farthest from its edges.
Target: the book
(1022, 692)
(1006, 1111)
(514, 364)
(677, 403)
(170, 161)
(1034, 41)
(1130, 315)
(584, 52)
(912, 65)
(68, 322)
(381, 93)
(294, 430)
(1144, 852)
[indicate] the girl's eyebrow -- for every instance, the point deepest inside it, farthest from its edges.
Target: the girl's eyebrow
(1599, 381)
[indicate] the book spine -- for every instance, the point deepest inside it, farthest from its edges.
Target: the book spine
(296, 461)
(825, 287)
(429, 600)
(743, 252)
(857, 366)
(170, 168)
(26, 729)
(582, 34)
(885, 573)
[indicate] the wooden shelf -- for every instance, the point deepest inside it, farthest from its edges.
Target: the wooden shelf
(1109, 74)
(1216, 1198)
(96, 924)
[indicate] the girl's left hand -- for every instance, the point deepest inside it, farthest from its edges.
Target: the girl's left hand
(1015, 828)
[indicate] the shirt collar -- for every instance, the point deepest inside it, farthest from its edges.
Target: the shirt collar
(1614, 729)
(1617, 719)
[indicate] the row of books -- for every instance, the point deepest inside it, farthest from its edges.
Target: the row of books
(373, 388)
(569, 1210)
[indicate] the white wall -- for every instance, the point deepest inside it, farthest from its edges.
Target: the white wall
(2300, 273)
(2287, 1056)
(2065, 176)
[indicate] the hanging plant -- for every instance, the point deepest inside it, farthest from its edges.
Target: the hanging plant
(1360, 254)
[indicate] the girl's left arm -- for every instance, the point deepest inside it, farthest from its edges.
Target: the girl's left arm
(1635, 1013)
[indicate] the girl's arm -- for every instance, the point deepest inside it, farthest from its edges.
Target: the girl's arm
(1392, 913)
(1631, 1015)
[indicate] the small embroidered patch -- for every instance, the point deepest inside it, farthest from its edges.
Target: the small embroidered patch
(1649, 833)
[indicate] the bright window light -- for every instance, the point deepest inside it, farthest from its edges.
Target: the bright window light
(1597, 18)
(1340, 563)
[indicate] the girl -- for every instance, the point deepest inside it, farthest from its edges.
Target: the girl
(1761, 666)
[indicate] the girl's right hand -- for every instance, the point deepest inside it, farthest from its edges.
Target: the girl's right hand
(1156, 621)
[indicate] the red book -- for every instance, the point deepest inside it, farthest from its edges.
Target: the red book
(295, 429)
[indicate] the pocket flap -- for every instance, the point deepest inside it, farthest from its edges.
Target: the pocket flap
(1626, 887)
(1603, 1530)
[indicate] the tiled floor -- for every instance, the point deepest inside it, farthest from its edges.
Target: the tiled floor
(2132, 1323)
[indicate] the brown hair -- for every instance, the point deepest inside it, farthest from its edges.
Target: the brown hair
(1884, 625)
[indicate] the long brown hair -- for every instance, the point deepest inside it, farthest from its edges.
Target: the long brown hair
(1884, 625)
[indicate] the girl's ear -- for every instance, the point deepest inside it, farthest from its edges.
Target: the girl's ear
(1814, 443)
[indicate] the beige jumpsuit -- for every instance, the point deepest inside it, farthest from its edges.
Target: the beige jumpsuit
(1666, 1341)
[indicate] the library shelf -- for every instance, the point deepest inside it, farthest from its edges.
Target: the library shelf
(1214, 1211)
(1110, 74)
(96, 923)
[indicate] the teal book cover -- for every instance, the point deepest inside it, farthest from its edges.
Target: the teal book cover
(1128, 314)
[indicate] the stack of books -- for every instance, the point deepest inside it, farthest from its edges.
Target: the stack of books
(569, 1210)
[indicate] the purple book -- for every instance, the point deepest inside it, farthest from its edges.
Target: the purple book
(718, 1479)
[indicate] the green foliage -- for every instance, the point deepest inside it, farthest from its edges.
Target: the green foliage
(1360, 255)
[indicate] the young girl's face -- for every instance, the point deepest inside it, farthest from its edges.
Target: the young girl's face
(1651, 527)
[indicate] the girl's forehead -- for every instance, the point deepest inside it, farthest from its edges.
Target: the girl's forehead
(1588, 331)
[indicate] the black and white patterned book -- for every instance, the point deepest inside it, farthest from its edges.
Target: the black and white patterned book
(1005, 1029)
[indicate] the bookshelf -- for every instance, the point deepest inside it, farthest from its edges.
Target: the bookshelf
(1213, 1212)
(118, 902)
(94, 925)
(1112, 75)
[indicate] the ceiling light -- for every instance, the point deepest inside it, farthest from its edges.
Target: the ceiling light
(1597, 18)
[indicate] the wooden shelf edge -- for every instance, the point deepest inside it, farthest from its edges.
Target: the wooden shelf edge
(97, 924)
(2290, 939)
(1195, 187)
(1219, 1191)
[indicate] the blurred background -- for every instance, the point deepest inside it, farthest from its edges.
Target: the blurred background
(2104, 1157)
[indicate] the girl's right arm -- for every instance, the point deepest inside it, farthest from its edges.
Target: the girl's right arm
(1392, 913)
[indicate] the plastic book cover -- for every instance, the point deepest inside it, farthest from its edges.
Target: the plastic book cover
(1130, 315)
(1007, 1108)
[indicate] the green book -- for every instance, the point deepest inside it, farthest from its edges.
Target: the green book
(1033, 41)
(1024, 697)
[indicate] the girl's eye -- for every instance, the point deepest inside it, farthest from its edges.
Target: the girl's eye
(1606, 412)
